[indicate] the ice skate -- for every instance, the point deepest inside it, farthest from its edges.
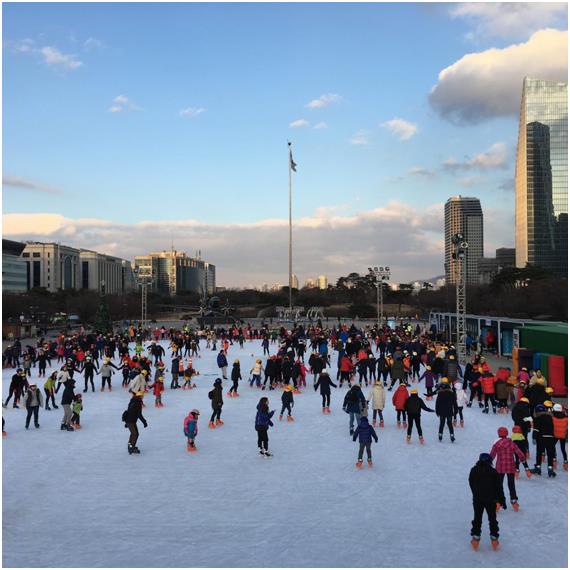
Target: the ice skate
(515, 505)
(399, 424)
(475, 542)
(494, 542)
(408, 438)
(373, 423)
(359, 464)
(229, 394)
(452, 438)
(421, 440)
(211, 425)
(191, 448)
(565, 466)
(4, 434)
(461, 423)
(404, 425)
(328, 410)
(77, 426)
(528, 473)
(48, 409)
(280, 417)
(537, 470)
(136, 450)
(381, 423)
(219, 423)
(130, 449)
(551, 472)
(268, 453)
(261, 451)
(370, 464)
(351, 431)
(440, 437)
(290, 419)
(69, 428)
(236, 395)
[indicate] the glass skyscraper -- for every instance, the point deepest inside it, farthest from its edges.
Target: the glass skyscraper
(541, 179)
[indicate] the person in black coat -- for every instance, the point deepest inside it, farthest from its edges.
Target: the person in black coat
(354, 403)
(17, 386)
(66, 400)
(130, 417)
(324, 383)
(521, 410)
(444, 405)
(543, 434)
(413, 407)
(217, 402)
(486, 487)
(287, 403)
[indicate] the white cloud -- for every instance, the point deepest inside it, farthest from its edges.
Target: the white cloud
(27, 184)
(496, 157)
(470, 181)
(512, 20)
(401, 128)
(421, 172)
(321, 125)
(324, 101)
(93, 44)
(299, 123)
(123, 103)
(51, 56)
(234, 248)
(55, 58)
(488, 84)
(192, 112)
(359, 138)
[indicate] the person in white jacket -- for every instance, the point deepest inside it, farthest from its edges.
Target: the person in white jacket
(138, 383)
(462, 401)
(377, 398)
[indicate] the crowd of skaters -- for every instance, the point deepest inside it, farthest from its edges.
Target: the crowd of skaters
(370, 362)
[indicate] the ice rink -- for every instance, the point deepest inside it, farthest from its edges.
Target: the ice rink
(78, 499)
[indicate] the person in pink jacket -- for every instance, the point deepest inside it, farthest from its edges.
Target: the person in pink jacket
(505, 450)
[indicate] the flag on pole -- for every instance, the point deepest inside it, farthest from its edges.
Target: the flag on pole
(292, 163)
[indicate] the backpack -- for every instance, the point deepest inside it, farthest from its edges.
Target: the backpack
(124, 416)
(211, 394)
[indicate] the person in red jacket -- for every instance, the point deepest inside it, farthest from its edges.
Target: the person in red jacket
(560, 423)
(157, 390)
(488, 385)
(345, 369)
(505, 451)
(399, 400)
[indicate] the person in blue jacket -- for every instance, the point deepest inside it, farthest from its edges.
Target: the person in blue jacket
(354, 403)
(223, 364)
(365, 433)
(262, 424)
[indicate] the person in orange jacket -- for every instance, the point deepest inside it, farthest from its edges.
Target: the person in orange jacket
(399, 399)
(345, 369)
(488, 385)
(560, 422)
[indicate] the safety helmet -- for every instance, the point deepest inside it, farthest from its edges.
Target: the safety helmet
(525, 400)
(139, 394)
(445, 380)
(485, 457)
(517, 429)
(548, 404)
(195, 412)
(414, 391)
(502, 432)
(548, 390)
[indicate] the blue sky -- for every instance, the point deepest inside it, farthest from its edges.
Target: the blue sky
(244, 74)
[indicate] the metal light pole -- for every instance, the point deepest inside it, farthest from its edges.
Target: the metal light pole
(381, 274)
(460, 246)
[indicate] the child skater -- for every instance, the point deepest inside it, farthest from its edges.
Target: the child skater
(191, 429)
(287, 403)
(462, 401)
(236, 377)
(76, 408)
(365, 433)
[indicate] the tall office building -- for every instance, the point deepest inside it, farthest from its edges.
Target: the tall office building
(541, 178)
(322, 282)
(14, 267)
(173, 272)
(463, 216)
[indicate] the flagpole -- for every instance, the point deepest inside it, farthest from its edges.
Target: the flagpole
(290, 238)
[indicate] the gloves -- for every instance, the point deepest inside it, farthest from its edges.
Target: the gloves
(145, 424)
(126, 426)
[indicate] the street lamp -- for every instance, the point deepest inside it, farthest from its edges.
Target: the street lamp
(380, 274)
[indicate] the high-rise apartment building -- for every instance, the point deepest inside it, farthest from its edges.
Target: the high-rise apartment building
(541, 178)
(464, 216)
(173, 272)
(322, 281)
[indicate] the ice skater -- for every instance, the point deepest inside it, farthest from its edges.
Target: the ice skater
(191, 430)
(262, 425)
(365, 433)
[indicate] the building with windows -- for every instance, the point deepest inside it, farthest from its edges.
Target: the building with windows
(310, 283)
(295, 280)
(52, 266)
(173, 272)
(98, 270)
(14, 267)
(541, 177)
(464, 216)
(322, 282)
(489, 267)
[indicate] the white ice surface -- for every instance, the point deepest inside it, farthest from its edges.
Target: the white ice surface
(78, 499)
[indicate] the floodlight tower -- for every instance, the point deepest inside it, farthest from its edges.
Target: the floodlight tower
(381, 274)
(460, 247)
